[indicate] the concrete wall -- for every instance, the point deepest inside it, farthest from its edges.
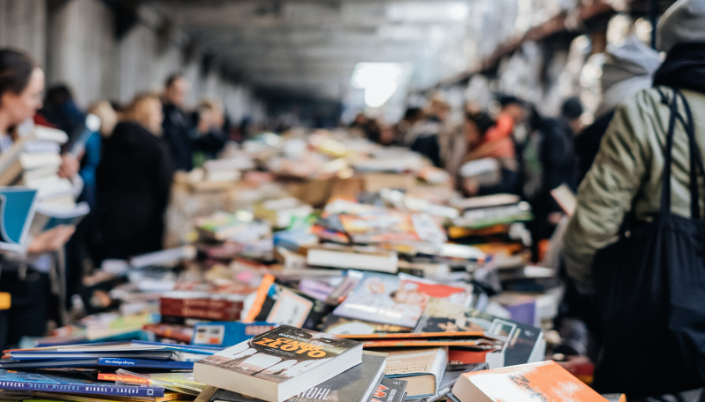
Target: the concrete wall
(77, 45)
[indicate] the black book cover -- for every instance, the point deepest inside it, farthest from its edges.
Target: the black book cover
(390, 390)
(350, 386)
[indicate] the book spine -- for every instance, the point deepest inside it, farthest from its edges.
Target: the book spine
(164, 331)
(187, 312)
(131, 379)
(145, 364)
(203, 303)
(92, 389)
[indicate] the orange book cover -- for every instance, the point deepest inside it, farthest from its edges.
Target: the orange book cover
(127, 379)
(544, 381)
(419, 335)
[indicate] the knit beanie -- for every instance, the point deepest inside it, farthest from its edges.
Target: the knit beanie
(683, 22)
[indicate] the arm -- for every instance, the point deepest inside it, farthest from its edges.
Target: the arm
(607, 191)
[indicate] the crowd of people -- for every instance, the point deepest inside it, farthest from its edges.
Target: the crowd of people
(619, 166)
(124, 173)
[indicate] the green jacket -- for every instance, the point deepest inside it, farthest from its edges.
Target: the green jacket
(628, 173)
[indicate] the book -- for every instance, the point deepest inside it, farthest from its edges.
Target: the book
(565, 198)
(487, 217)
(336, 325)
(129, 379)
(281, 211)
(484, 171)
(17, 209)
(390, 390)
(279, 364)
(487, 201)
(164, 365)
(523, 343)
(545, 381)
(466, 340)
(422, 368)
(182, 382)
(451, 377)
(42, 147)
(354, 385)
(228, 333)
(179, 333)
(43, 133)
(396, 300)
(48, 217)
(362, 258)
(165, 257)
(30, 161)
(50, 355)
(51, 187)
(26, 381)
(168, 397)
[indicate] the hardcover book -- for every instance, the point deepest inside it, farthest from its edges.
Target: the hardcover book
(279, 364)
(423, 369)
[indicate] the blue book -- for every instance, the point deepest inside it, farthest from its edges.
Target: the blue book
(24, 381)
(145, 364)
(55, 355)
(17, 208)
(205, 350)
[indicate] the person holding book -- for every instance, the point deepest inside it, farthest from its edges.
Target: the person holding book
(25, 275)
(487, 139)
(133, 181)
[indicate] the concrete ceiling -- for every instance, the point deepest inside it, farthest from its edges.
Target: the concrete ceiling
(311, 47)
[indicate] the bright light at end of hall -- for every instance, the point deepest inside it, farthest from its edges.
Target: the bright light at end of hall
(379, 80)
(436, 11)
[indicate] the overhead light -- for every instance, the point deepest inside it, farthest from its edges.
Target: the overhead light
(417, 11)
(379, 80)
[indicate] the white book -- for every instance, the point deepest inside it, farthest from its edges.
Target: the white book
(42, 133)
(42, 147)
(40, 160)
(362, 258)
(279, 364)
(51, 187)
(38, 174)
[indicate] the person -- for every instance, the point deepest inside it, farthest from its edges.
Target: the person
(177, 124)
(627, 70)
(133, 181)
(423, 137)
(628, 173)
(486, 139)
(208, 136)
(411, 116)
(556, 157)
(61, 111)
(27, 282)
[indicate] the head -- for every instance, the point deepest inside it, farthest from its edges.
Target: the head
(210, 113)
(411, 297)
(175, 89)
(107, 115)
(572, 110)
(514, 107)
(476, 126)
(682, 23)
(439, 108)
(146, 109)
(58, 95)
(21, 88)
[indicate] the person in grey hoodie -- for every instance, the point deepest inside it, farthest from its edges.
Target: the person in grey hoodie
(627, 70)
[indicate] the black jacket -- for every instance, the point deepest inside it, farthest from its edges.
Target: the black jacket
(587, 144)
(133, 181)
(557, 157)
(176, 127)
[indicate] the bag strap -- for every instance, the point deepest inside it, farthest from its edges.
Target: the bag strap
(696, 162)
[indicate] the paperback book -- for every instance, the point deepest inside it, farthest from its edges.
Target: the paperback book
(279, 364)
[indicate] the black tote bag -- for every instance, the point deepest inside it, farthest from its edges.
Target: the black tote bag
(651, 292)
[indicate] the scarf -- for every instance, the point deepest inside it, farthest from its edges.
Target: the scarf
(684, 68)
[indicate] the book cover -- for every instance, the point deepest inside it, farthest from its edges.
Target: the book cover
(390, 390)
(396, 300)
(17, 209)
(337, 325)
(26, 381)
(544, 381)
(353, 385)
(281, 354)
(228, 333)
(523, 343)
(145, 364)
(129, 379)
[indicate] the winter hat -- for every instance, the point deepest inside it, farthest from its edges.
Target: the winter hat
(683, 22)
(572, 108)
